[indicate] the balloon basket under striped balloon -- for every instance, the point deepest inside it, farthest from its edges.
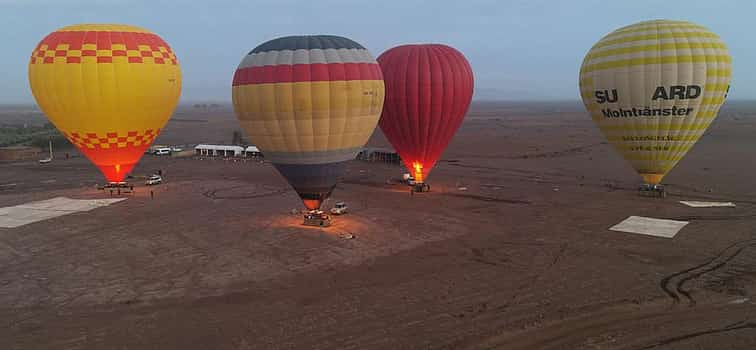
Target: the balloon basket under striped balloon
(317, 218)
(647, 190)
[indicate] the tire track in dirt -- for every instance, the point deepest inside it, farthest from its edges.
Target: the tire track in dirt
(561, 153)
(213, 194)
(714, 217)
(552, 154)
(487, 198)
(725, 329)
(621, 326)
(674, 285)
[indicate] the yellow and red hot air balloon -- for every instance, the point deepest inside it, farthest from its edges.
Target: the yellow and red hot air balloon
(653, 88)
(108, 88)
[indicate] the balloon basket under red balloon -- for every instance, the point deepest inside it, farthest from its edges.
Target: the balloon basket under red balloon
(420, 187)
(648, 190)
(317, 218)
(117, 188)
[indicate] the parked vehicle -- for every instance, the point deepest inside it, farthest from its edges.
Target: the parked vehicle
(154, 180)
(408, 179)
(165, 151)
(339, 209)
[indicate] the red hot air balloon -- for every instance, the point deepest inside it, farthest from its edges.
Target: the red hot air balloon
(428, 91)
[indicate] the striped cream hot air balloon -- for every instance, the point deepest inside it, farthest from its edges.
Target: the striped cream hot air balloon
(653, 88)
(309, 103)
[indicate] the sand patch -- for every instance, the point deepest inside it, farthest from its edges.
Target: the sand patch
(697, 204)
(27, 213)
(650, 226)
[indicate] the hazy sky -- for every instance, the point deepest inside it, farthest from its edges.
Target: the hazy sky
(518, 49)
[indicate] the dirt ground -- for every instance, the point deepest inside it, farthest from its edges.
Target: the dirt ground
(521, 259)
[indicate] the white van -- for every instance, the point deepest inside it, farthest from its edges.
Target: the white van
(162, 151)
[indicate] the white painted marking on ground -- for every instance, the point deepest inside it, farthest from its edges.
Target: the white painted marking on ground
(697, 204)
(650, 226)
(28, 213)
(739, 301)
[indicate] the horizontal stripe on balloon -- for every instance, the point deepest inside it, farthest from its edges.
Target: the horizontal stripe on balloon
(309, 116)
(102, 59)
(655, 138)
(632, 135)
(308, 100)
(111, 139)
(307, 73)
(707, 108)
(658, 60)
(284, 136)
(662, 167)
(114, 153)
(656, 25)
(660, 54)
(307, 42)
(713, 72)
(654, 31)
(654, 42)
(658, 36)
(78, 40)
(712, 101)
(705, 111)
(303, 56)
(631, 156)
(70, 46)
(673, 155)
(645, 165)
(103, 28)
(631, 122)
(655, 47)
(723, 74)
(315, 157)
(716, 87)
(655, 127)
(664, 146)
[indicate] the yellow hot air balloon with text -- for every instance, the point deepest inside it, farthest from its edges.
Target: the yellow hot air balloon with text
(653, 88)
(108, 88)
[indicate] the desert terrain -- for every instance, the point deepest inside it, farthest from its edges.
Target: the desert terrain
(510, 250)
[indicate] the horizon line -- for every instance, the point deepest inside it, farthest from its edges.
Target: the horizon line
(227, 102)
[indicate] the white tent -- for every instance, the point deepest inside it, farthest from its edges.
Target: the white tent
(219, 150)
(252, 151)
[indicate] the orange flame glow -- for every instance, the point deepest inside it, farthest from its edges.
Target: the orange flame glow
(312, 204)
(418, 169)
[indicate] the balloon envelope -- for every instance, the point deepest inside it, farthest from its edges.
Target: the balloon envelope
(653, 88)
(309, 103)
(428, 91)
(108, 88)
